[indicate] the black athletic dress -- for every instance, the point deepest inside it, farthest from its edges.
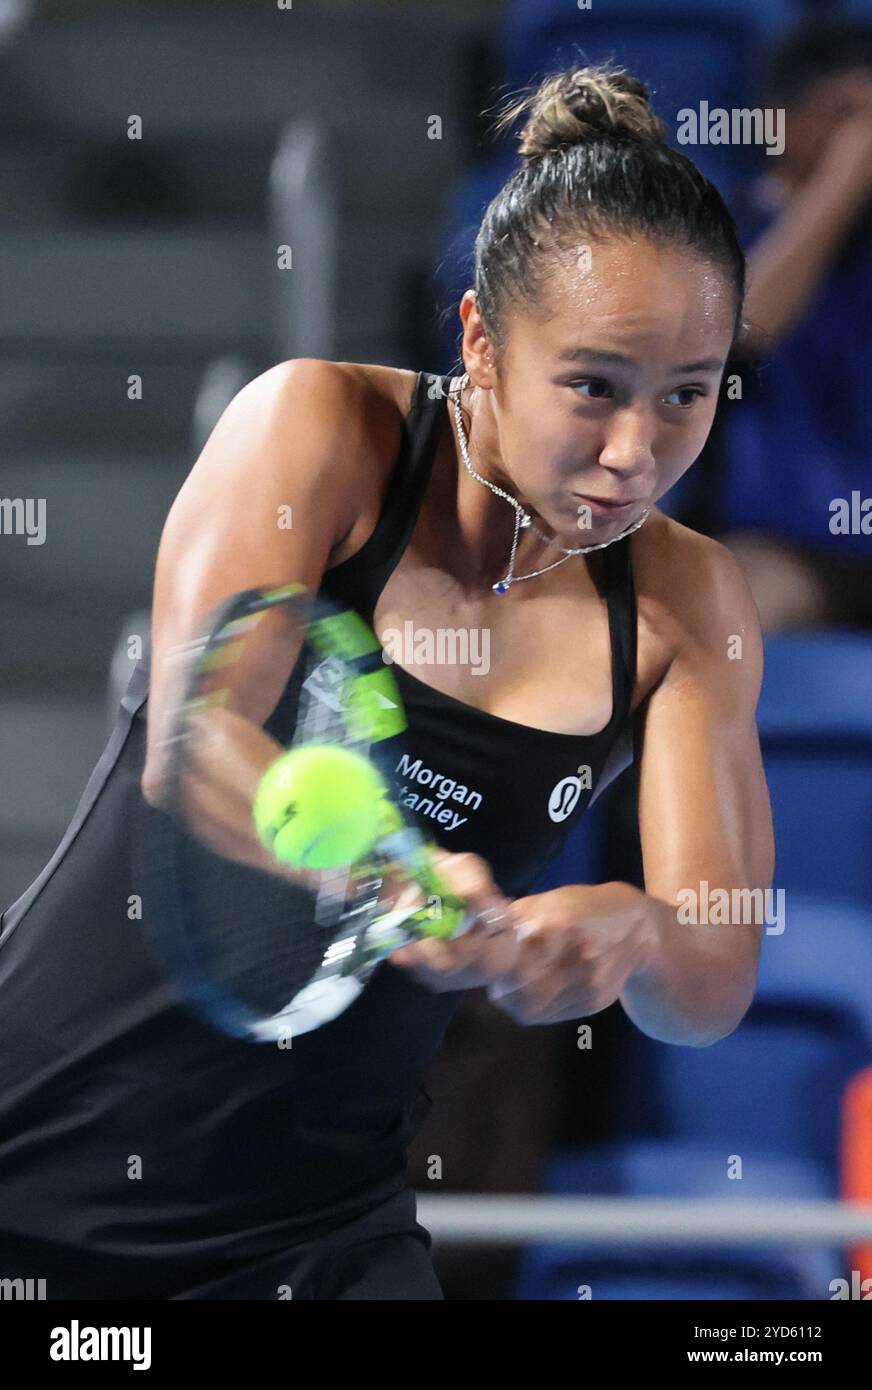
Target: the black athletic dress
(142, 1154)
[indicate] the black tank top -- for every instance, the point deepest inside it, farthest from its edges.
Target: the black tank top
(473, 780)
(128, 1128)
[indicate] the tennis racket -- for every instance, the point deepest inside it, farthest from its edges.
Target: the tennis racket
(268, 955)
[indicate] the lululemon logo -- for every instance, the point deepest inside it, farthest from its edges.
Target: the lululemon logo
(564, 798)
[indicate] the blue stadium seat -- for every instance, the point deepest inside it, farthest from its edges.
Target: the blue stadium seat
(685, 52)
(775, 1084)
(657, 1170)
(818, 684)
(534, 22)
(815, 722)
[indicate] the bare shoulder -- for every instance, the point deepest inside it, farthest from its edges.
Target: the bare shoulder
(364, 380)
(392, 385)
(363, 402)
(367, 405)
(693, 599)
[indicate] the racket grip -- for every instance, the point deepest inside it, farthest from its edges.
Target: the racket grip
(454, 915)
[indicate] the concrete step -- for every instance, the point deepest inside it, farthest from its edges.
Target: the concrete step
(133, 294)
(95, 523)
(84, 407)
(55, 180)
(231, 73)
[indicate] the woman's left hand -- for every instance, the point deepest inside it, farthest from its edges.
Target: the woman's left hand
(559, 955)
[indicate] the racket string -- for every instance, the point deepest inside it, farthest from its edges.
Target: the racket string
(258, 938)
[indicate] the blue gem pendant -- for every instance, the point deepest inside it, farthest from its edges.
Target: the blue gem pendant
(502, 586)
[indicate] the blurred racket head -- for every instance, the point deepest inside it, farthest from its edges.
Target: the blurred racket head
(269, 953)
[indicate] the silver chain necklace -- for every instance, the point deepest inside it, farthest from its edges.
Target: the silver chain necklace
(522, 518)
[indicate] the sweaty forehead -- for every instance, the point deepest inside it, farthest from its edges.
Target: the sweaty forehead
(632, 290)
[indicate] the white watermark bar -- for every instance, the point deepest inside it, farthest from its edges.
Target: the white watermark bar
(626, 1220)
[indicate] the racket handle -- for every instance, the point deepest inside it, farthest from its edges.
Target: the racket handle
(454, 916)
(414, 862)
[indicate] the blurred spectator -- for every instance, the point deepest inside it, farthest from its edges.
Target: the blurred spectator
(801, 439)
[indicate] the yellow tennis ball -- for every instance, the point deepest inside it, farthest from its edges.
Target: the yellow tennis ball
(318, 806)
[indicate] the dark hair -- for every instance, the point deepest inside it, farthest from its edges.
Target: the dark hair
(595, 163)
(814, 49)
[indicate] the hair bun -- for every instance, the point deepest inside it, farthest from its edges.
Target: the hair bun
(583, 104)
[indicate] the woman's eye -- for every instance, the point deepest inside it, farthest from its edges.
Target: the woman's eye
(595, 389)
(692, 391)
(597, 386)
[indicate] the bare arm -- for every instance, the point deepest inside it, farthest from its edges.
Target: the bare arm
(704, 814)
(296, 438)
(705, 825)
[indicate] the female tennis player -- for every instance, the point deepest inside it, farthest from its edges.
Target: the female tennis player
(143, 1154)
